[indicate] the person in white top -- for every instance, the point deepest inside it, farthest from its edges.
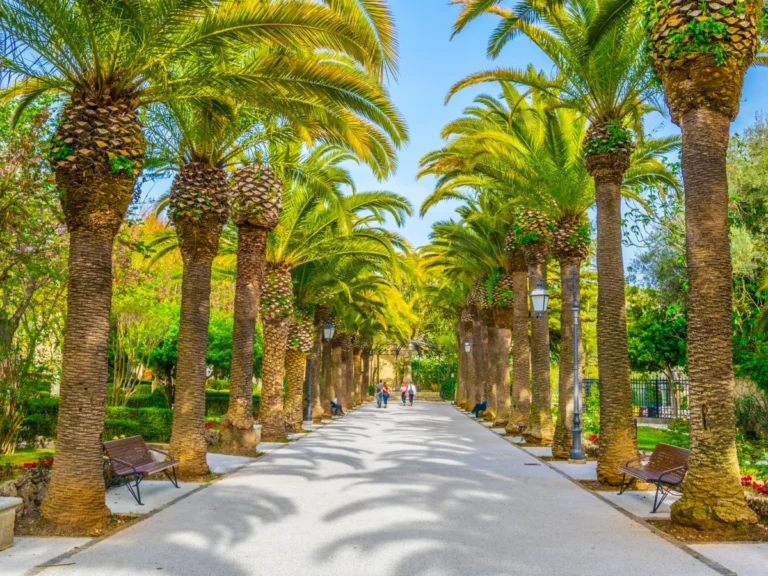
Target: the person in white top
(411, 392)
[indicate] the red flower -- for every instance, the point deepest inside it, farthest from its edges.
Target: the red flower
(209, 425)
(594, 438)
(746, 480)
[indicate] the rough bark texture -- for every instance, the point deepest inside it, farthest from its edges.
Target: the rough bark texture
(295, 371)
(75, 498)
(339, 369)
(539, 429)
(617, 432)
(237, 433)
(461, 391)
(199, 206)
(563, 440)
(188, 444)
(348, 357)
(277, 314)
(273, 369)
(712, 495)
(492, 354)
(327, 390)
(366, 372)
(317, 371)
(479, 355)
(358, 373)
(469, 365)
(521, 355)
(95, 201)
(503, 322)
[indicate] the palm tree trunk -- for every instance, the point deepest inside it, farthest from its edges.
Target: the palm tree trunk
(366, 372)
(469, 366)
(358, 369)
(561, 445)
(237, 433)
(276, 332)
(461, 378)
(317, 359)
(328, 390)
(521, 355)
(479, 355)
(491, 384)
(295, 370)
(503, 322)
(348, 357)
(712, 495)
(539, 430)
(188, 443)
(339, 370)
(617, 432)
(75, 497)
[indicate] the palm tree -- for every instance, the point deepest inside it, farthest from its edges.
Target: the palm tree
(318, 226)
(521, 350)
(257, 201)
(300, 341)
(702, 75)
(108, 71)
(471, 252)
(609, 84)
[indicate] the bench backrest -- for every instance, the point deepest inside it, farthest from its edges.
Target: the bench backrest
(132, 450)
(666, 457)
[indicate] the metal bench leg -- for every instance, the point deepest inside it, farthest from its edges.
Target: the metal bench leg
(664, 493)
(135, 493)
(172, 479)
(624, 484)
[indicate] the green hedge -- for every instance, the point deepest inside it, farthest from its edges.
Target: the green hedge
(217, 402)
(114, 428)
(153, 424)
(146, 414)
(156, 399)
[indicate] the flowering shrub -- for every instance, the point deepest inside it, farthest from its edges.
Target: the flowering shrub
(760, 488)
(594, 438)
(8, 470)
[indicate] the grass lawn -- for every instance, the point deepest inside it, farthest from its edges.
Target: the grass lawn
(22, 456)
(648, 437)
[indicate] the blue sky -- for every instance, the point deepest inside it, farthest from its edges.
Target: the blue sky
(430, 62)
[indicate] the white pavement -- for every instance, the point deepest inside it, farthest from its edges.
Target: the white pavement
(404, 491)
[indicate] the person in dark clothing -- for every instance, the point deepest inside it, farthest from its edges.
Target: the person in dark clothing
(336, 409)
(481, 407)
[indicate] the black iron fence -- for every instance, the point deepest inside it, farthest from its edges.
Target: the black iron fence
(652, 397)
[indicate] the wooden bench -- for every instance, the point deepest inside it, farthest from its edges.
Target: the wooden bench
(665, 468)
(131, 459)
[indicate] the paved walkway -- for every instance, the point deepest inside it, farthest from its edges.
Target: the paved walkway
(419, 490)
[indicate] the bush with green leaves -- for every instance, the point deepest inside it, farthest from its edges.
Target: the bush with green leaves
(217, 402)
(156, 399)
(114, 429)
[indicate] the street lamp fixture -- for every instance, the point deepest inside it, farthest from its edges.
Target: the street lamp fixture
(467, 346)
(328, 330)
(539, 299)
(577, 454)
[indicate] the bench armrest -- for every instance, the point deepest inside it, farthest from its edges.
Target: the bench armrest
(636, 460)
(163, 452)
(670, 471)
(125, 463)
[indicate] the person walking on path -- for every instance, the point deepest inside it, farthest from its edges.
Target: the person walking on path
(379, 393)
(385, 395)
(411, 392)
(403, 392)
